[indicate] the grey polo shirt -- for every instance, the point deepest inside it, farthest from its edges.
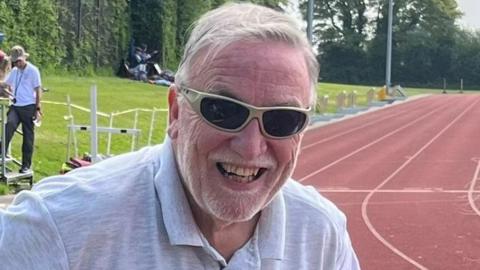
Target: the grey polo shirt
(130, 212)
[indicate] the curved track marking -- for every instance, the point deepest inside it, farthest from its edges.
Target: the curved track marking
(471, 190)
(365, 202)
(368, 145)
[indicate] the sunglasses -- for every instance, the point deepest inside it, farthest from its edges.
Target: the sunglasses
(231, 115)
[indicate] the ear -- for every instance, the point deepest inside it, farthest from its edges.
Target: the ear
(172, 129)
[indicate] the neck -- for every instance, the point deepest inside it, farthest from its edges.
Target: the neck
(225, 236)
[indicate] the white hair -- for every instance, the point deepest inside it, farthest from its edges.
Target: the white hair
(235, 22)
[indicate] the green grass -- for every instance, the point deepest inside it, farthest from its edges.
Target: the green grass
(113, 95)
(332, 90)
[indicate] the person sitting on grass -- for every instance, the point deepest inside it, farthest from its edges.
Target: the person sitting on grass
(218, 193)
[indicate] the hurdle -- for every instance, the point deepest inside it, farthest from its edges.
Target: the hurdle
(94, 129)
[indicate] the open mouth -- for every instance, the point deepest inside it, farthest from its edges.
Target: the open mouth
(240, 174)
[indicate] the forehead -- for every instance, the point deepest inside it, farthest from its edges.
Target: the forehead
(265, 73)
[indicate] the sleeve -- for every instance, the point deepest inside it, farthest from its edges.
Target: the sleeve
(347, 259)
(9, 78)
(37, 81)
(29, 238)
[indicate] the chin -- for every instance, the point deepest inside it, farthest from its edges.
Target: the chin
(234, 209)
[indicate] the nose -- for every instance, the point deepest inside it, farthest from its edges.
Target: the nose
(250, 143)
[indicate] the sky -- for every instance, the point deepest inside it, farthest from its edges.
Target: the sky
(471, 10)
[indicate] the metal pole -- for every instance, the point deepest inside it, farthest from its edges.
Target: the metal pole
(134, 138)
(461, 85)
(97, 36)
(109, 139)
(310, 21)
(79, 19)
(152, 124)
(93, 124)
(74, 135)
(388, 69)
(4, 125)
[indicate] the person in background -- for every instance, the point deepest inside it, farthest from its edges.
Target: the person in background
(141, 57)
(218, 193)
(26, 87)
(5, 67)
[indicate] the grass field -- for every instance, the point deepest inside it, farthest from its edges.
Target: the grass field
(114, 95)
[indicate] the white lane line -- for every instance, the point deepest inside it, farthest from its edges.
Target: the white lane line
(368, 145)
(471, 190)
(404, 202)
(347, 132)
(367, 198)
(426, 190)
(352, 130)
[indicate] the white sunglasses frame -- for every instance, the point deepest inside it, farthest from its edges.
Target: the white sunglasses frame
(194, 98)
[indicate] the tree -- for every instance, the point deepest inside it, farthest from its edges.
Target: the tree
(341, 30)
(39, 35)
(466, 64)
(187, 12)
(169, 33)
(146, 22)
(6, 23)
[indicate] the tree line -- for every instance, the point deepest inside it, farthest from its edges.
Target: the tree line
(428, 44)
(93, 36)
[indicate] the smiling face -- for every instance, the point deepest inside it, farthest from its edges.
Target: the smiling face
(232, 176)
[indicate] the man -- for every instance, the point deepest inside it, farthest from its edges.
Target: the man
(217, 194)
(25, 85)
(141, 57)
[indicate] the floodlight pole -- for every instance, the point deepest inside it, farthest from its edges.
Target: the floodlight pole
(388, 69)
(79, 20)
(310, 21)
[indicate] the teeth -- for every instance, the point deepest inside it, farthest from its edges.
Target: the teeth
(247, 173)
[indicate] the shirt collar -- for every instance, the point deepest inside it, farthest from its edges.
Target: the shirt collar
(177, 215)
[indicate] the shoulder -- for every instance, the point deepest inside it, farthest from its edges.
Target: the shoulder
(11, 74)
(306, 204)
(32, 68)
(316, 230)
(105, 183)
(67, 213)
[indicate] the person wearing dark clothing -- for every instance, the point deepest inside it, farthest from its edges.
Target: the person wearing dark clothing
(25, 83)
(139, 63)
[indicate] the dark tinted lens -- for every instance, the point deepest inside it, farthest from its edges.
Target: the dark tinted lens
(282, 123)
(223, 113)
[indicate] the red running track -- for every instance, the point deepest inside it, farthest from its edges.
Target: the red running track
(408, 179)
